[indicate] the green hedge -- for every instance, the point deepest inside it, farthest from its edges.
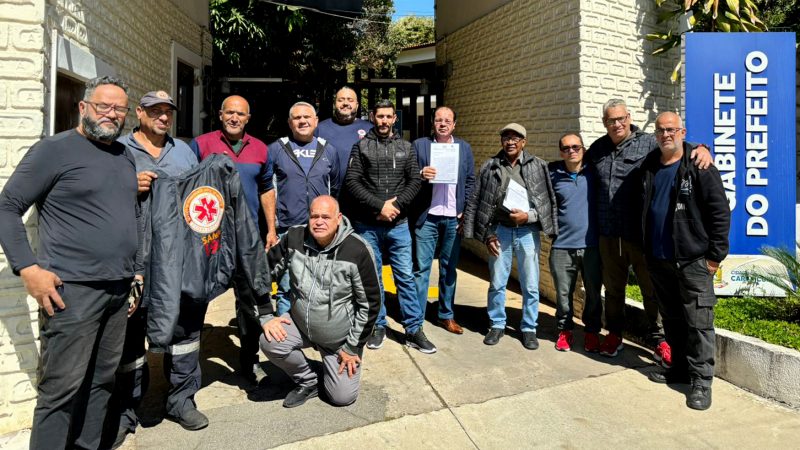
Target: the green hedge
(774, 320)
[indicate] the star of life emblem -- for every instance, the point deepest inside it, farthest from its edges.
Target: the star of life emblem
(203, 209)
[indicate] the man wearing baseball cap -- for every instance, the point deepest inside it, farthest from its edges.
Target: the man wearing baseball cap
(154, 149)
(514, 201)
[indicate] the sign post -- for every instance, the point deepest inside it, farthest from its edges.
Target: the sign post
(740, 97)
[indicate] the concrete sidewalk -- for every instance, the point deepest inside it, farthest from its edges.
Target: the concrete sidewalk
(467, 395)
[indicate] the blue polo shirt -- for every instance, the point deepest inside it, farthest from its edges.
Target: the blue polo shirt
(577, 211)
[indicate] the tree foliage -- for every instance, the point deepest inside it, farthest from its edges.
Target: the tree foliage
(683, 16)
(236, 29)
(781, 15)
(410, 31)
(374, 49)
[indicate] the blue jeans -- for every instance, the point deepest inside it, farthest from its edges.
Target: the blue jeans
(444, 231)
(524, 242)
(395, 243)
(282, 302)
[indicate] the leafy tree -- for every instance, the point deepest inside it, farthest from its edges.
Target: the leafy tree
(683, 16)
(374, 49)
(781, 15)
(412, 30)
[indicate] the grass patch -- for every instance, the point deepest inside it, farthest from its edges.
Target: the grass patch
(773, 320)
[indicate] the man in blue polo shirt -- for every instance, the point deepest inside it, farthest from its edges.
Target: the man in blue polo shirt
(574, 251)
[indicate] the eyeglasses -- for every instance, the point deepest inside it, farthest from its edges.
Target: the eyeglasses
(105, 108)
(511, 139)
(156, 113)
(613, 120)
(667, 131)
(571, 148)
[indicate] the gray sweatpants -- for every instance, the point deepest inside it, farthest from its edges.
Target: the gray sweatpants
(289, 357)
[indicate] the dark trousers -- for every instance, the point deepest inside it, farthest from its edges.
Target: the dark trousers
(81, 347)
(247, 318)
(686, 294)
(617, 255)
(565, 265)
(133, 379)
(182, 361)
(181, 367)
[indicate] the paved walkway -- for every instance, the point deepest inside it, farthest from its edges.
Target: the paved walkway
(467, 395)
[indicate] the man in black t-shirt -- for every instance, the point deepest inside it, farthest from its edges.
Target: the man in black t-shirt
(84, 186)
(685, 222)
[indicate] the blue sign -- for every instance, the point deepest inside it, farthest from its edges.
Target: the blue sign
(740, 97)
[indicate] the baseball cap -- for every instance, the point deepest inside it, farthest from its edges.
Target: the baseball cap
(155, 98)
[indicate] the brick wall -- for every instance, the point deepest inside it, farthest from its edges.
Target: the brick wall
(134, 38)
(550, 66)
(22, 76)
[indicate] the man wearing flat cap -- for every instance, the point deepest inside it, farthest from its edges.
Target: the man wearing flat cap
(512, 202)
(155, 150)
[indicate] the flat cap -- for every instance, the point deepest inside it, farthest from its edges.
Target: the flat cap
(516, 128)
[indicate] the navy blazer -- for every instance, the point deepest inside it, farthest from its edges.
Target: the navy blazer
(466, 176)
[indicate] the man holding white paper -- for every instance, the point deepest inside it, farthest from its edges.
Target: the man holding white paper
(508, 219)
(448, 177)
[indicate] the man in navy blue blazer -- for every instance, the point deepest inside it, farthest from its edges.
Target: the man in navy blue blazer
(439, 221)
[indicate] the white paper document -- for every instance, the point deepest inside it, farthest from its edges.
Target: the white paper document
(444, 158)
(516, 197)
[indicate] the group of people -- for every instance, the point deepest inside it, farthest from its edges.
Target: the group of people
(340, 199)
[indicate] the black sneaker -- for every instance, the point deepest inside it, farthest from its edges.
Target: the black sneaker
(191, 419)
(493, 336)
(699, 398)
(375, 340)
(299, 396)
(668, 376)
(420, 342)
(529, 340)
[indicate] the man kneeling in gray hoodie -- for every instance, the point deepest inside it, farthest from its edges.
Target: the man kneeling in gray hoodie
(334, 303)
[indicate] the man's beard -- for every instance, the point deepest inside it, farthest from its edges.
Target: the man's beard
(342, 118)
(95, 132)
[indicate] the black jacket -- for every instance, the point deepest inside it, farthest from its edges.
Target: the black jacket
(701, 216)
(488, 194)
(198, 232)
(380, 168)
(617, 181)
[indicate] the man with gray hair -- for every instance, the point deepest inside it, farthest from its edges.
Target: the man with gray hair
(617, 157)
(83, 183)
(304, 167)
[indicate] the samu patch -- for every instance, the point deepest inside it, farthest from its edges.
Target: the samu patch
(203, 209)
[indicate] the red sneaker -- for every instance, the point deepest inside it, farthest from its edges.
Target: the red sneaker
(564, 342)
(611, 346)
(591, 342)
(663, 355)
